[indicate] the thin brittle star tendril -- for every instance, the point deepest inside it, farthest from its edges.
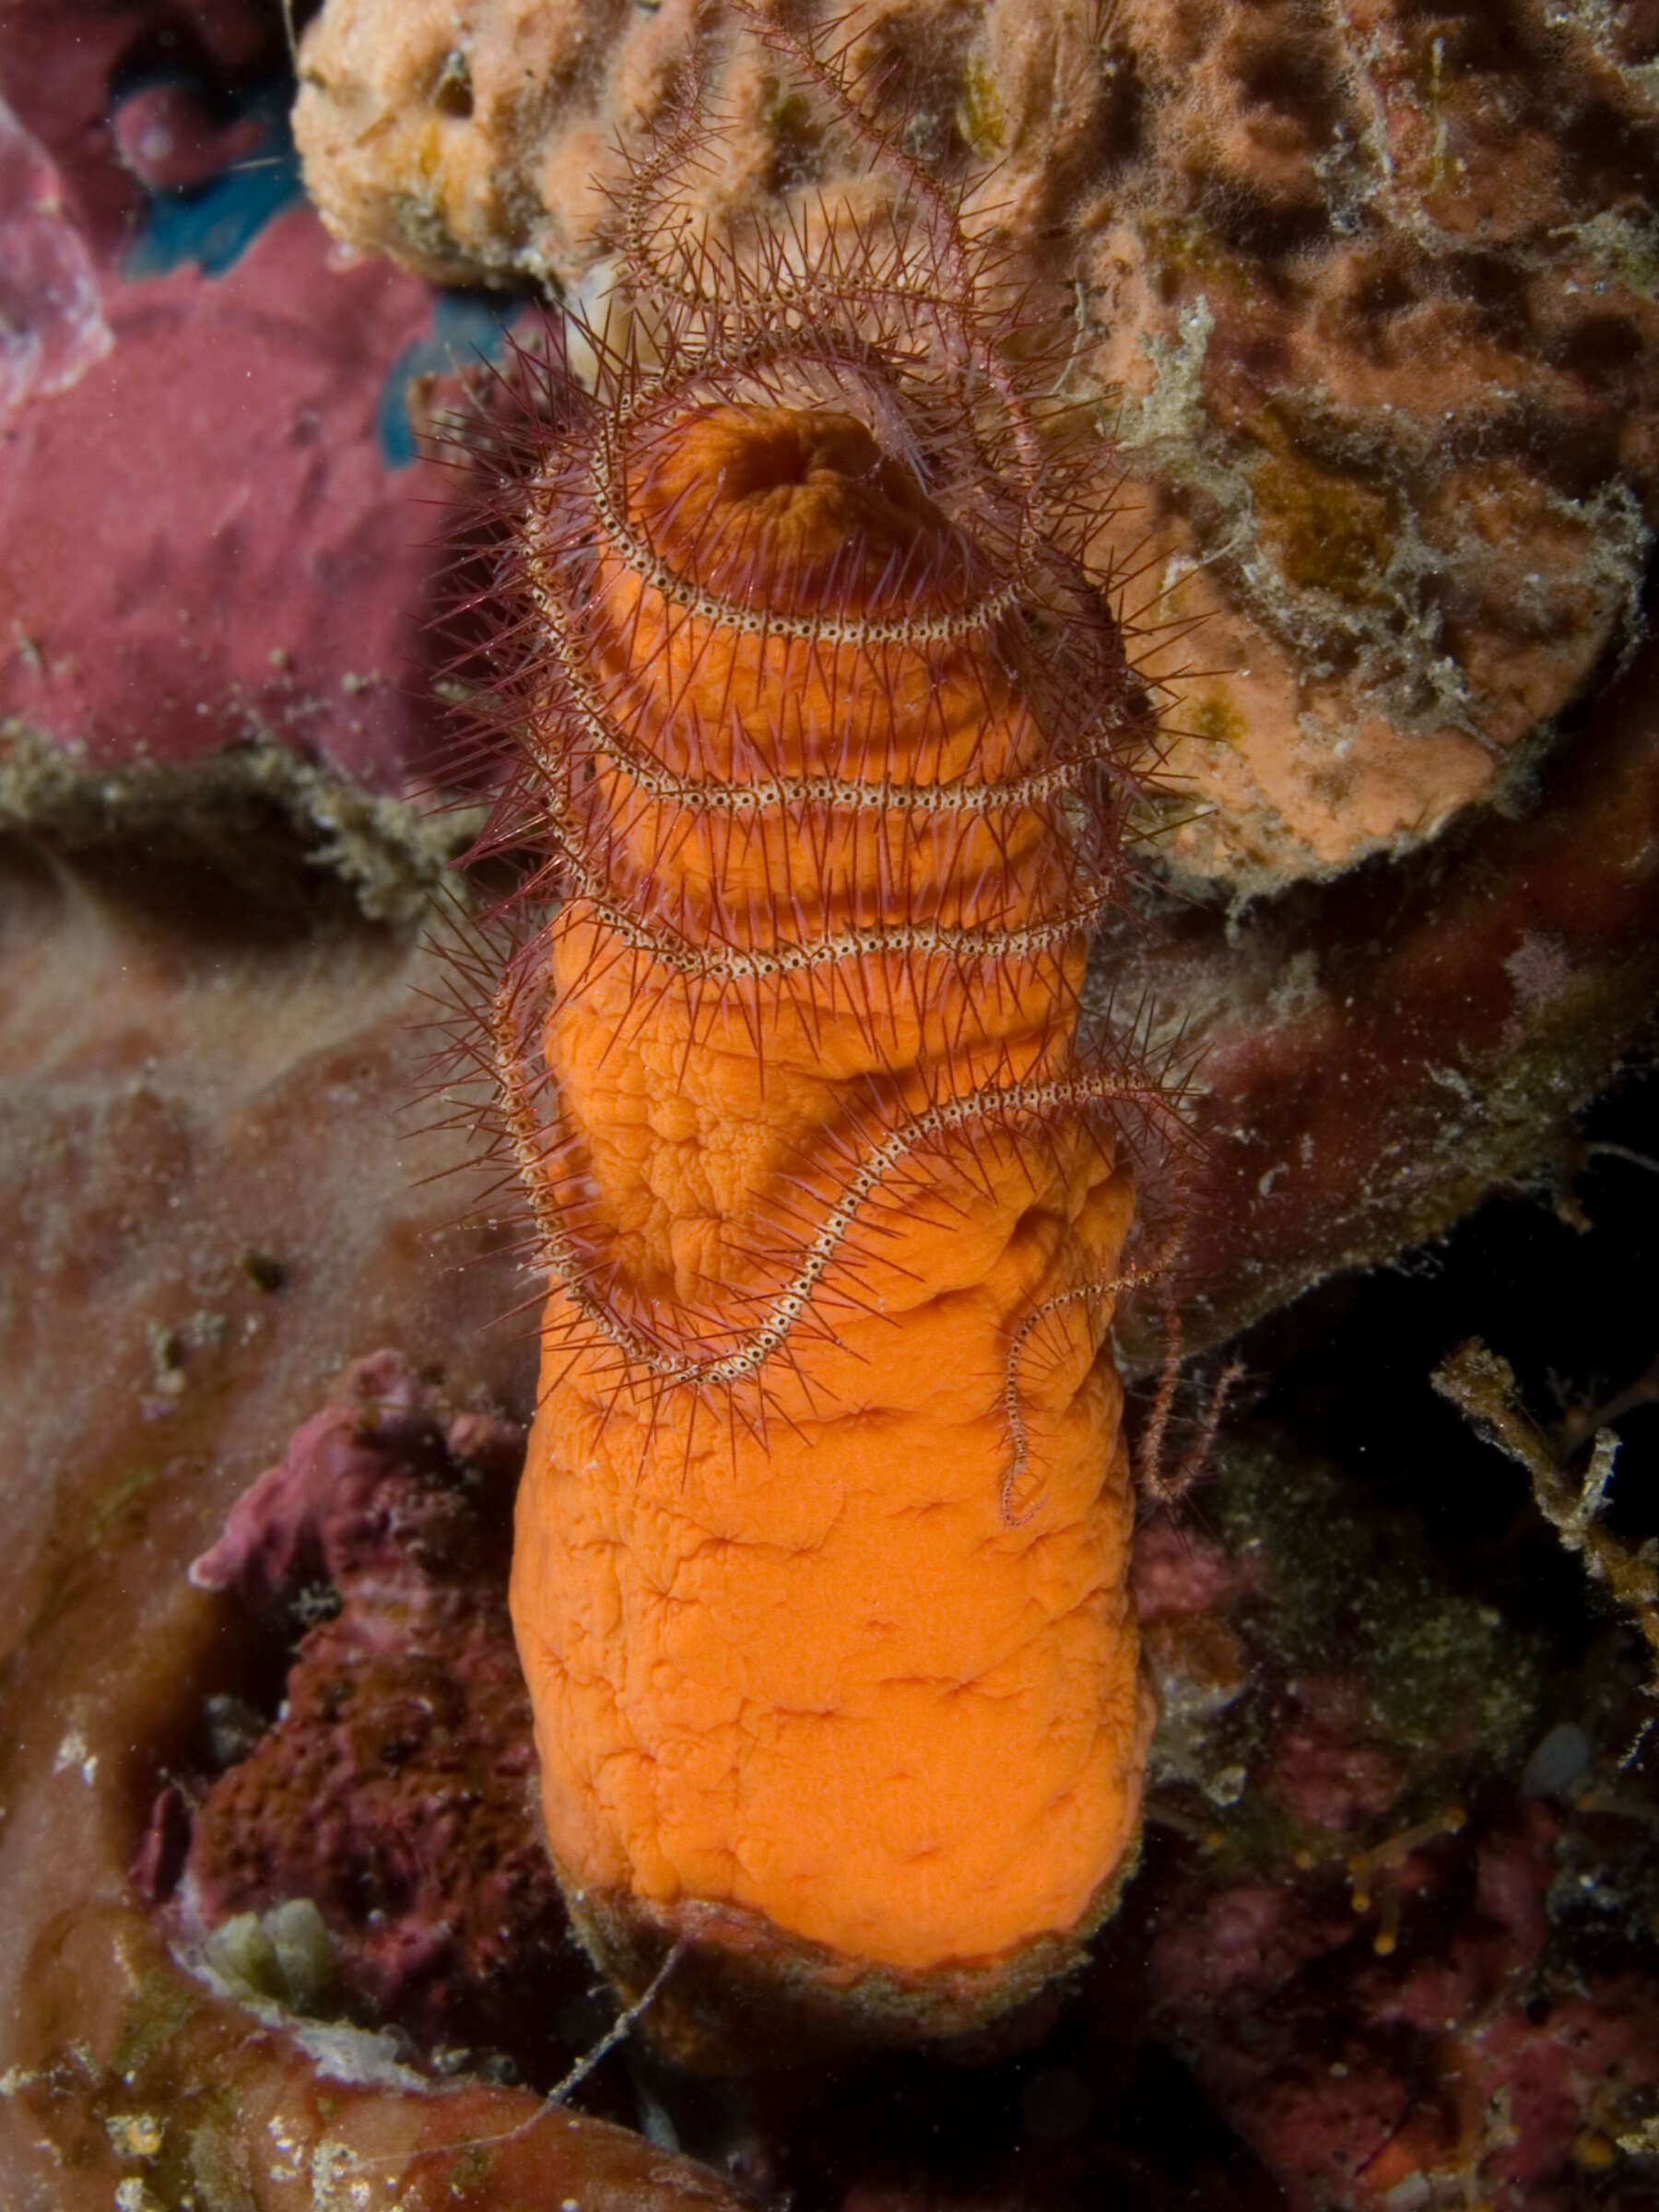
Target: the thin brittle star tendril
(567, 1266)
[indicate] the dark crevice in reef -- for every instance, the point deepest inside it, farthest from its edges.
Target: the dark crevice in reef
(253, 837)
(1551, 1276)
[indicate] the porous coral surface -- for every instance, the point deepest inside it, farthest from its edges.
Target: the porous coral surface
(1367, 298)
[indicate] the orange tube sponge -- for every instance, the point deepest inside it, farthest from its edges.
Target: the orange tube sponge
(820, 1572)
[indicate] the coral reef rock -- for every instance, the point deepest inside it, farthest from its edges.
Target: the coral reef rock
(1408, 1964)
(1368, 300)
(394, 1790)
(203, 1189)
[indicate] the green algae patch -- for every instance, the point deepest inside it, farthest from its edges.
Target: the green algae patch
(469, 2172)
(158, 2008)
(979, 117)
(111, 1504)
(1443, 1672)
(1439, 1662)
(1216, 721)
(1326, 532)
(1257, 1833)
(796, 138)
(1183, 246)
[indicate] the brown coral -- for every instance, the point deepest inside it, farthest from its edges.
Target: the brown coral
(1376, 287)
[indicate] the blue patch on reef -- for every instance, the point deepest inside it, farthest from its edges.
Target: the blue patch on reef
(468, 327)
(214, 224)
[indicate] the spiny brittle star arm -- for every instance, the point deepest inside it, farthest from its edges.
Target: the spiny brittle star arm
(710, 795)
(790, 1301)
